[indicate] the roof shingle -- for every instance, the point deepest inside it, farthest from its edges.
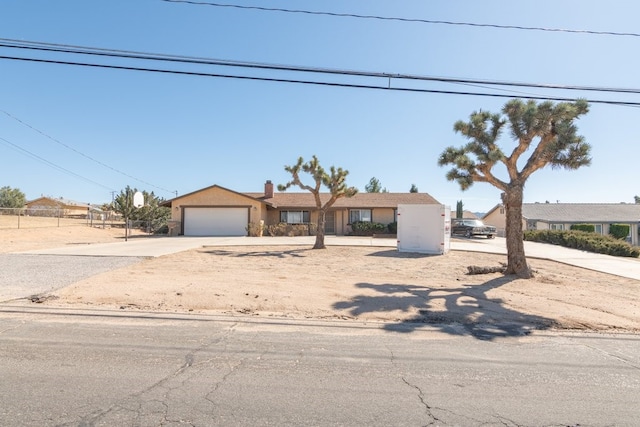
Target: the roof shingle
(582, 212)
(360, 200)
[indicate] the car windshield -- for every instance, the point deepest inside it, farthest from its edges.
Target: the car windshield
(474, 223)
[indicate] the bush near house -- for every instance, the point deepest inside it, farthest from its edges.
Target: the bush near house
(585, 241)
(361, 228)
(619, 231)
(393, 227)
(584, 227)
(256, 229)
(290, 230)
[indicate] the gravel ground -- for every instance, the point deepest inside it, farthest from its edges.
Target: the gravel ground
(22, 276)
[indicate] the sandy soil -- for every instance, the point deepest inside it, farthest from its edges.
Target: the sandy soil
(360, 283)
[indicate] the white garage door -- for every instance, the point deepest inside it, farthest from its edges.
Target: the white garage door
(215, 221)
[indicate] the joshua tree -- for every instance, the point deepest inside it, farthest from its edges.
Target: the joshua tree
(546, 130)
(334, 181)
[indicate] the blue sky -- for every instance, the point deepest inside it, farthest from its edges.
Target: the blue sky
(104, 129)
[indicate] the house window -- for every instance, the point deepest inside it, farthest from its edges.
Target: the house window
(557, 226)
(295, 217)
(363, 215)
(597, 228)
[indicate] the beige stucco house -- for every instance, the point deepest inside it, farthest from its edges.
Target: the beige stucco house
(49, 206)
(219, 211)
(560, 216)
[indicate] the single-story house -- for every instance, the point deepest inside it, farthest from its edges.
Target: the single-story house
(469, 215)
(49, 206)
(560, 216)
(219, 211)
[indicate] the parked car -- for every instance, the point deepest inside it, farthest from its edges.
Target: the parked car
(471, 227)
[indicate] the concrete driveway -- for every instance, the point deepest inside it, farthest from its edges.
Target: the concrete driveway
(159, 246)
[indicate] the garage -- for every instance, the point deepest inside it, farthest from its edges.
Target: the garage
(218, 221)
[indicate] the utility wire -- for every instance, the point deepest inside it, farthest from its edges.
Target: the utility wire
(319, 83)
(415, 20)
(51, 164)
(84, 50)
(82, 154)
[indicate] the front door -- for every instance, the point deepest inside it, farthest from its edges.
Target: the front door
(330, 222)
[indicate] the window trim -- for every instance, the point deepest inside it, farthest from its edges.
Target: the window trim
(304, 215)
(352, 211)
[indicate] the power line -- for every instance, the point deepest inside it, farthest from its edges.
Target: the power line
(113, 53)
(318, 83)
(81, 153)
(414, 20)
(51, 164)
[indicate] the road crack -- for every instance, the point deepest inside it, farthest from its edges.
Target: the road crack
(428, 408)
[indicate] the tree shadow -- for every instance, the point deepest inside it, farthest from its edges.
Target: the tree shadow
(467, 309)
(292, 253)
(394, 253)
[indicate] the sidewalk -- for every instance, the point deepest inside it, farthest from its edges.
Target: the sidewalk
(619, 266)
(159, 246)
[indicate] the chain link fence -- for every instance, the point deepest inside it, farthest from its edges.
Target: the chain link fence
(11, 218)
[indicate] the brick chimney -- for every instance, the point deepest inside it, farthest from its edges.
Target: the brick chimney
(268, 189)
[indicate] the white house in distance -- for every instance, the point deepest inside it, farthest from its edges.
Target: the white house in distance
(560, 216)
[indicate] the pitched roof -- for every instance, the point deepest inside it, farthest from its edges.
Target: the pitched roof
(305, 200)
(360, 200)
(58, 201)
(582, 212)
(469, 215)
(170, 201)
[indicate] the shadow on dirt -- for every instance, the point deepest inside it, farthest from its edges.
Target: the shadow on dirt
(295, 253)
(394, 253)
(463, 310)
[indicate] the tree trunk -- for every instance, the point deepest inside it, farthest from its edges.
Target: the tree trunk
(516, 259)
(320, 231)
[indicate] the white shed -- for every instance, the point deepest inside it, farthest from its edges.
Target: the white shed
(424, 228)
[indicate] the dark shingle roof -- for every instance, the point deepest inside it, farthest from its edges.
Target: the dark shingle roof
(582, 212)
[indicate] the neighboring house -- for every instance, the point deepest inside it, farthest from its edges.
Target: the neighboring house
(560, 216)
(49, 206)
(469, 215)
(465, 214)
(218, 211)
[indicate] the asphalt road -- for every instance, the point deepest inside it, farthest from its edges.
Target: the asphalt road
(110, 368)
(105, 368)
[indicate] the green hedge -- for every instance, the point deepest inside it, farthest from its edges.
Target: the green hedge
(619, 231)
(585, 241)
(584, 227)
(362, 228)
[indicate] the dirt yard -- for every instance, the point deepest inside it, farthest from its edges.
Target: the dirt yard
(359, 283)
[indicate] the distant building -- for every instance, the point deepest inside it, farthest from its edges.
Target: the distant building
(49, 206)
(560, 216)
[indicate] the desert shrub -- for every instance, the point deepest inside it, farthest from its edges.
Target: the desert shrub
(584, 227)
(255, 229)
(583, 240)
(284, 229)
(162, 230)
(393, 227)
(619, 231)
(362, 228)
